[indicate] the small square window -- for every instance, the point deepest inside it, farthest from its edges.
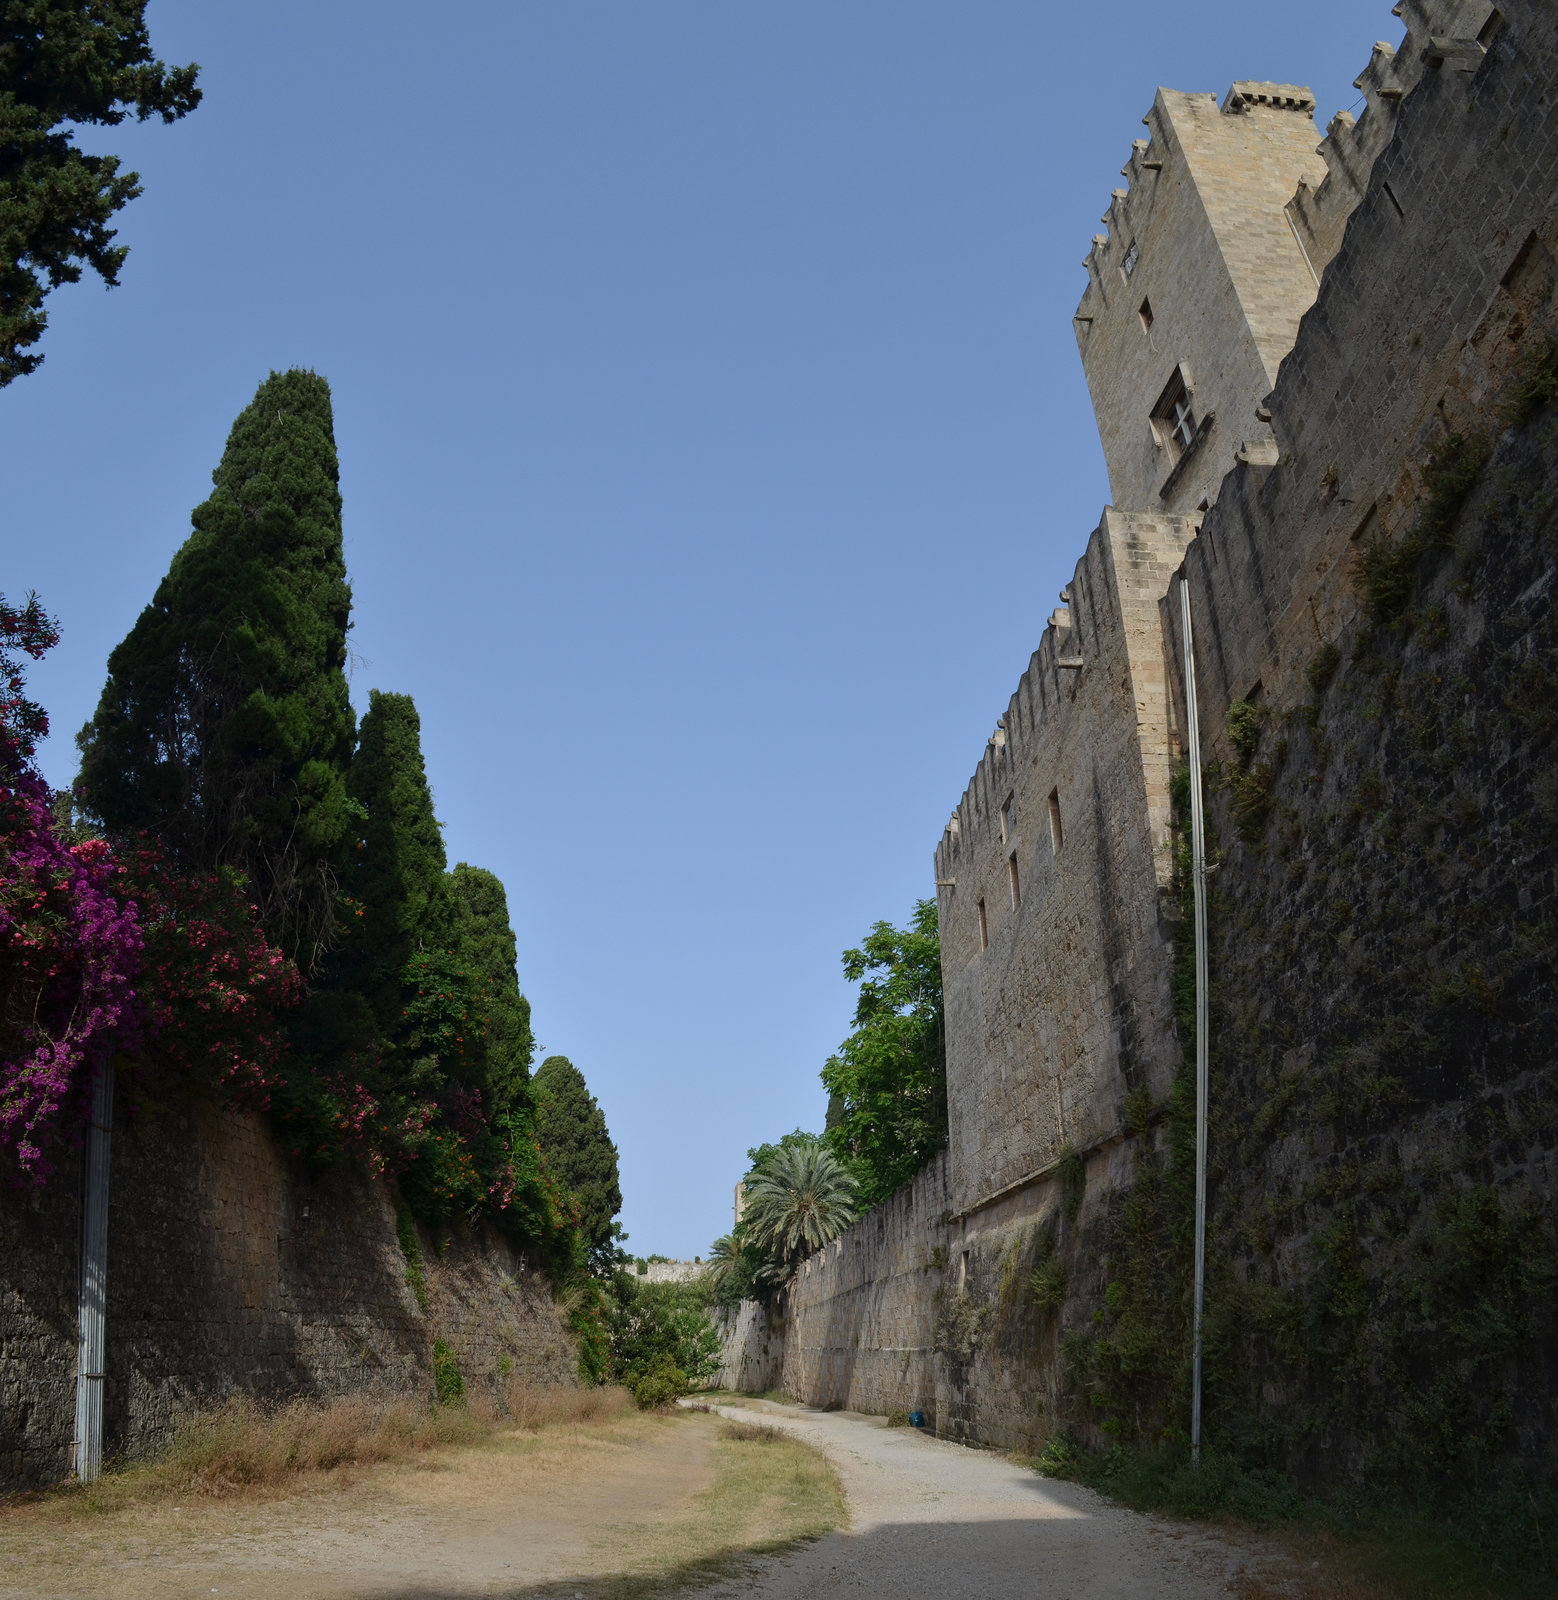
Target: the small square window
(1055, 834)
(1173, 419)
(1144, 311)
(1011, 880)
(1132, 256)
(1009, 818)
(984, 927)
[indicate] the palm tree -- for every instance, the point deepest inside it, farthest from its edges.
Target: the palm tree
(801, 1198)
(724, 1253)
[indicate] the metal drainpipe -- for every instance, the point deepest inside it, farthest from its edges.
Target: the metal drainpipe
(1198, 883)
(94, 1282)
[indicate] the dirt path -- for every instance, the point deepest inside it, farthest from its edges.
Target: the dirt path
(492, 1520)
(936, 1520)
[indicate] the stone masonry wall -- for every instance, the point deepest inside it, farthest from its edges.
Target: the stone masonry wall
(1058, 1005)
(861, 1314)
(1382, 1245)
(230, 1271)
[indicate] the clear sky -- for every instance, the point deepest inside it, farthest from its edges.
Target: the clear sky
(713, 445)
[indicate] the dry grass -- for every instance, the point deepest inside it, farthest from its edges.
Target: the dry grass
(752, 1432)
(532, 1408)
(248, 1447)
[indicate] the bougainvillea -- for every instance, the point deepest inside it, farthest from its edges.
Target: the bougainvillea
(212, 991)
(106, 949)
(69, 943)
(69, 949)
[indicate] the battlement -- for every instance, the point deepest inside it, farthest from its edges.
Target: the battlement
(1285, 96)
(1100, 649)
(1440, 35)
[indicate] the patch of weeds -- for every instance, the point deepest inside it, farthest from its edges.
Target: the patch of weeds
(1138, 1109)
(1048, 1281)
(1433, 628)
(416, 1275)
(1071, 1180)
(961, 1327)
(1322, 667)
(1386, 571)
(1483, 1546)
(1536, 385)
(1243, 732)
(448, 1382)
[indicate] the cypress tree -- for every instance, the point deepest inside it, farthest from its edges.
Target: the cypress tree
(397, 876)
(486, 943)
(225, 726)
(577, 1149)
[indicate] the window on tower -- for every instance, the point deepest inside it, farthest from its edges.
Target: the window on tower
(1173, 417)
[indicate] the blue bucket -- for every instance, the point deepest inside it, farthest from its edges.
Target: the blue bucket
(916, 1419)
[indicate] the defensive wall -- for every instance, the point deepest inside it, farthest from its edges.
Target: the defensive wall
(1384, 1116)
(231, 1270)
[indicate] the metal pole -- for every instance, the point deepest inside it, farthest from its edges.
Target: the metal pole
(93, 1303)
(1198, 883)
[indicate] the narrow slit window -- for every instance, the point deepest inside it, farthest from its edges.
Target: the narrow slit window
(1132, 256)
(1009, 818)
(1144, 311)
(1055, 834)
(984, 928)
(1011, 880)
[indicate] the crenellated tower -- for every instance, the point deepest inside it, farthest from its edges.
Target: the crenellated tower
(1195, 292)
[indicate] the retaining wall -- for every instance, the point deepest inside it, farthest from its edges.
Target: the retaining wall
(231, 1270)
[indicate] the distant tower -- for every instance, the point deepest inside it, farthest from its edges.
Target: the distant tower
(741, 1201)
(1195, 293)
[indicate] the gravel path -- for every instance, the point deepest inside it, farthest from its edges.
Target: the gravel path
(939, 1520)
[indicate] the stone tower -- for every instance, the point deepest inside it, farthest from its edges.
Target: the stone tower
(1194, 294)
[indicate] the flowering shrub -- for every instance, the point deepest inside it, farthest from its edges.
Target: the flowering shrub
(69, 948)
(212, 991)
(106, 949)
(69, 945)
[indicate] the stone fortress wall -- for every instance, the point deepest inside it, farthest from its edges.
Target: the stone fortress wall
(1333, 331)
(232, 1271)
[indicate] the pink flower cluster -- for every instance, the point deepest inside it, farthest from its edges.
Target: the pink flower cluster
(70, 947)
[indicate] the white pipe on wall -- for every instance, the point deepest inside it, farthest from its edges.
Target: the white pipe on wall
(1198, 883)
(93, 1302)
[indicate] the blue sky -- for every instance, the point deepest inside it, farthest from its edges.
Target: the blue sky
(713, 445)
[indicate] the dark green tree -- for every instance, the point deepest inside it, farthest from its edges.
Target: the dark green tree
(486, 942)
(65, 63)
(225, 726)
(578, 1152)
(397, 883)
(888, 1081)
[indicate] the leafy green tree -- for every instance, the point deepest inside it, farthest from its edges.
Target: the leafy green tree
(888, 1081)
(225, 727)
(802, 1198)
(65, 63)
(578, 1152)
(486, 941)
(662, 1341)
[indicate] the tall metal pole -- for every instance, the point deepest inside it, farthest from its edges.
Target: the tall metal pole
(93, 1303)
(1198, 883)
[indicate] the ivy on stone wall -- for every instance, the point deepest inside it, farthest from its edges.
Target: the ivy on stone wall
(1382, 1257)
